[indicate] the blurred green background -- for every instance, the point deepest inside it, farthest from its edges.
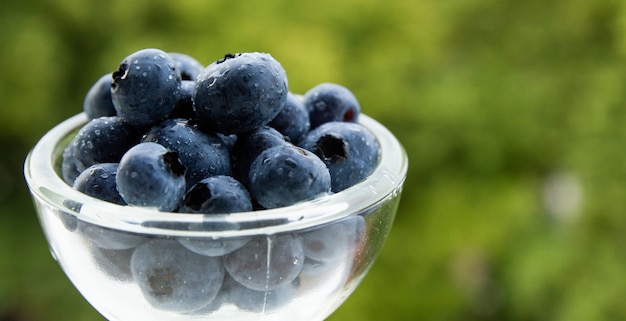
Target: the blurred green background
(512, 113)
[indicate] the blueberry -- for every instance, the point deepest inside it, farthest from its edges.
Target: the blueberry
(266, 263)
(257, 301)
(240, 92)
(248, 147)
(107, 238)
(184, 105)
(337, 240)
(203, 154)
(145, 87)
(212, 246)
(99, 181)
(173, 278)
(188, 67)
(284, 175)
(114, 263)
(293, 120)
(101, 140)
(229, 140)
(150, 175)
(331, 102)
(70, 166)
(217, 195)
(98, 102)
(349, 150)
(69, 221)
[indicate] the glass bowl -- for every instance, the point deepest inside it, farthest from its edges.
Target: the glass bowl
(299, 262)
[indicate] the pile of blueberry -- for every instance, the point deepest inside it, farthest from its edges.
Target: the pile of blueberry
(168, 133)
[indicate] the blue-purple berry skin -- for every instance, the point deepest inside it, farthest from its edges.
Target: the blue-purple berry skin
(240, 92)
(328, 102)
(188, 67)
(101, 140)
(257, 301)
(70, 166)
(108, 238)
(99, 181)
(98, 102)
(145, 87)
(334, 241)
(286, 174)
(184, 105)
(349, 150)
(266, 263)
(173, 278)
(293, 120)
(203, 154)
(249, 145)
(114, 263)
(150, 175)
(219, 194)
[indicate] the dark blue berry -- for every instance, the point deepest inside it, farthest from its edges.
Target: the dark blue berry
(69, 221)
(145, 87)
(240, 92)
(203, 154)
(114, 263)
(99, 181)
(257, 301)
(107, 238)
(266, 263)
(217, 195)
(284, 175)
(173, 278)
(150, 175)
(101, 140)
(349, 150)
(188, 67)
(331, 102)
(229, 140)
(184, 105)
(248, 147)
(293, 120)
(70, 166)
(98, 102)
(212, 246)
(334, 241)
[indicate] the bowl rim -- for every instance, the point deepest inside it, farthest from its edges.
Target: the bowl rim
(48, 188)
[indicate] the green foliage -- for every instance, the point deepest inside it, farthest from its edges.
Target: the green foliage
(491, 99)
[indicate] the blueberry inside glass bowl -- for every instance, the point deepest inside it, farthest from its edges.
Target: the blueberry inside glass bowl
(299, 262)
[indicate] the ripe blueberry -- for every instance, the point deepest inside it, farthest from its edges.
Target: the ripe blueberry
(240, 92)
(249, 145)
(217, 195)
(187, 66)
(349, 150)
(266, 263)
(145, 87)
(101, 140)
(99, 181)
(331, 102)
(151, 175)
(173, 278)
(286, 174)
(334, 241)
(257, 301)
(184, 105)
(107, 238)
(202, 154)
(293, 120)
(97, 102)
